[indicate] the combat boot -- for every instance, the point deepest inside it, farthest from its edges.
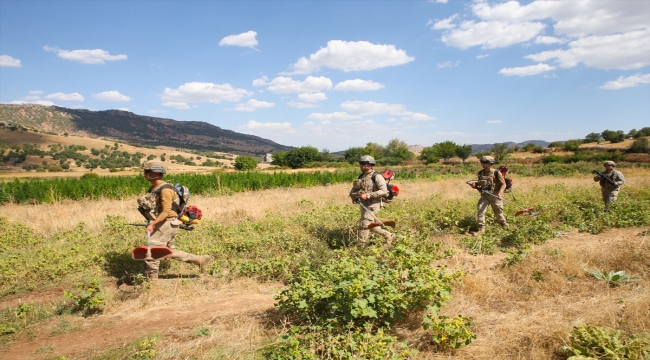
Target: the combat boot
(202, 261)
(481, 230)
(390, 238)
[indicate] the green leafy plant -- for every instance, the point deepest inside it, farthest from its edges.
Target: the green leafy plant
(538, 275)
(146, 349)
(88, 297)
(614, 278)
(592, 342)
(449, 333)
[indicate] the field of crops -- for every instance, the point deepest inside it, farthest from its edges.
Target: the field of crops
(344, 300)
(51, 190)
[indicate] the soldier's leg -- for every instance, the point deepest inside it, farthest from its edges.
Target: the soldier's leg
(605, 194)
(364, 221)
(378, 229)
(481, 208)
(497, 207)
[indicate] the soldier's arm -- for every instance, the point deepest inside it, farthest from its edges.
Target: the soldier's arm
(382, 189)
(500, 185)
(597, 178)
(620, 177)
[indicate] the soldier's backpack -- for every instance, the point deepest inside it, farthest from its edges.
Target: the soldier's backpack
(504, 170)
(388, 175)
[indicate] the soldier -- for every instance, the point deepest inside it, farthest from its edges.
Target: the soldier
(369, 189)
(492, 182)
(162, 198)
(609, 190)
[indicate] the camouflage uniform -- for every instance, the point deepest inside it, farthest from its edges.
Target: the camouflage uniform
(164, 233)
(375, 190)
(609, 191)
(494, 183)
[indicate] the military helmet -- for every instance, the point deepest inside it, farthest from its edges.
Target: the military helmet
(154, 166)
(609, 162)
(367, 158)
(486, 159)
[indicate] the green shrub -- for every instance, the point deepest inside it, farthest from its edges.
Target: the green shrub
(449, 333)
(88, 299)
(243, 163)
(614, 278)
(592, 342)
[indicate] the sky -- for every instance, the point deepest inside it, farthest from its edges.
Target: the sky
(337, 74)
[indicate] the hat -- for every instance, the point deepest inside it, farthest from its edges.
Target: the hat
(154, 166)
(485, 159)
(609, 162)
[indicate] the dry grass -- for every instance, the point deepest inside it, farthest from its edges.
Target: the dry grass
(518, 317)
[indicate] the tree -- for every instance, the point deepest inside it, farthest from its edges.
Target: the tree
(500, 151)
(375, 150)
(327, 156)
(243, 163)
(556, 144)
(299, 157)
(464, 151)
(593, 138)
(572, 145)
(529, 147)
(613, 136)
(397, 148)
(429, 155)
(641, 145)
(280, 158)
(643, 132)
(445, 149)
(353, 154)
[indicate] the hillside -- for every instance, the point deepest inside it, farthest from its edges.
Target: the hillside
(129, 127)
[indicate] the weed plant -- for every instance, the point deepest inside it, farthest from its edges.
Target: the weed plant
(592, 342)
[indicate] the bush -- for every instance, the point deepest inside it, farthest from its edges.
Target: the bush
(243, 163)
(592, 342)
(641, 145)
(88, 299)
(89, 175)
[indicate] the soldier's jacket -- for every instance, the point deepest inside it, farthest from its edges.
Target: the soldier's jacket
(159, 201)
(492, 181)
(614, 175)
(375, 190)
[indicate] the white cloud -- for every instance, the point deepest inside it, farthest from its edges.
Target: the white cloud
(491, 34)
(351, 56)
(620, 51)
(111, 96)
(199, 92)
(445, 23)
(448, 64)
(96, 56)
(438, 1)
(335, 116)
(573, 18)
(493, 121)
(269, 126)
(286, 85)
(312, 97)
(482, 56)
(8, 61)
(35, 92)
(65, 97)
(301, 105)
(366, 108)
(549, 40)
(180, 105)
(37, 102)
(411, 116)
(358, 85)
(626, 82)
(526, 70)
(246, 39)
(124, 109)
(252, 105)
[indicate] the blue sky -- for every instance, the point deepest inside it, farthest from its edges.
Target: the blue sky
(337, 74)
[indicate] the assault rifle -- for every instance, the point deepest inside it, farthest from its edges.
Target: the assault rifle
(603, 176)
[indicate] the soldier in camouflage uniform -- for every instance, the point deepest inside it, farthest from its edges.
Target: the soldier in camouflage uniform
(160, 200)
(369, 189)
(492, 181)
(610, 191)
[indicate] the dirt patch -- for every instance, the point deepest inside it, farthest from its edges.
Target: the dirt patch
(125, 324)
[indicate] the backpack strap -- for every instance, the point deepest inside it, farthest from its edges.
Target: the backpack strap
(176, 207)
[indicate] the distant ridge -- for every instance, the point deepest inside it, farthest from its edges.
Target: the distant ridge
(129, 127)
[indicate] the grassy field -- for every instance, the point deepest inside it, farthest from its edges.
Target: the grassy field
(524, 288)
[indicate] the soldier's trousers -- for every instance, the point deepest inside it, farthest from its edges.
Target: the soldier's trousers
(497, 207)
(609, 195)
(163, 235)
(366, 219)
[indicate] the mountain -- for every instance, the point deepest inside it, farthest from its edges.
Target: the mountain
(484, 147)
(129, 127)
